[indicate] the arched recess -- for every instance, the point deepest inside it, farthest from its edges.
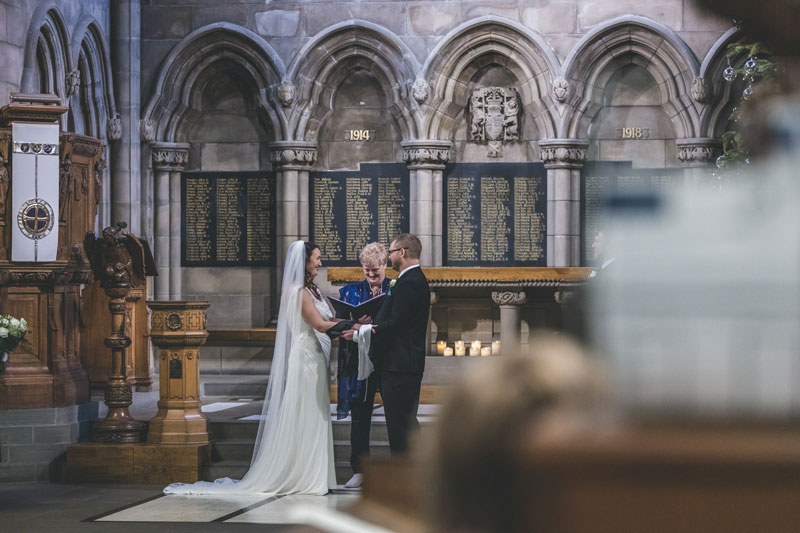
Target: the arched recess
(352, 46)
(722, 96)
(225, 43)
(616, 44)
(96, 96)
(479, 44)
(47, 57)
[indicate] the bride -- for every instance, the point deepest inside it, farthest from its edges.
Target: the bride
(294, 448)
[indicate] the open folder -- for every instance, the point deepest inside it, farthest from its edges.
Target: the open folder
(370, 307)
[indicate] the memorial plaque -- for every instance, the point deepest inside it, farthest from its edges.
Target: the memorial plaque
(495, 214)
(354, 207)
(228, 219)
(602, 180)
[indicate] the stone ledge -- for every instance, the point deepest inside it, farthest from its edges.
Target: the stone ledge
(240, 337)
(135, 463)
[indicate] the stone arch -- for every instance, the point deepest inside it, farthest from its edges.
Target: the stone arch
(47, 59)
(214, 43)
(620, 42)
(721, 95)
(324, 62)
(488, 40)
(90, 53)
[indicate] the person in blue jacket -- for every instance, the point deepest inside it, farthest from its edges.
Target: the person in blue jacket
(356, 397)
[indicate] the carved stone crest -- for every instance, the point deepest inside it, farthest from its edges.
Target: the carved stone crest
(73, 82)
(114, 127)
(494, 117)
(560, 89)
(148, 130)
(420, 90)
(286, 93)
(699, 89)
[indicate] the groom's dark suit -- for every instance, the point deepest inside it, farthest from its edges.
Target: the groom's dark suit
(398, 351)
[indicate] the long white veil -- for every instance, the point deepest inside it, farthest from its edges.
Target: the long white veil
(267, 457)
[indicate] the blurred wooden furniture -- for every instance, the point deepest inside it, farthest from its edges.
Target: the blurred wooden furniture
(654, 479)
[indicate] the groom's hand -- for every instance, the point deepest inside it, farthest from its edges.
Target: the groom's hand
(366, 319)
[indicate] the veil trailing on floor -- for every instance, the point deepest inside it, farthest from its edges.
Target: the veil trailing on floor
(267, 456)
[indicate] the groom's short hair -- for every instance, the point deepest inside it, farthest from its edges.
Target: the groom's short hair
(411, 243)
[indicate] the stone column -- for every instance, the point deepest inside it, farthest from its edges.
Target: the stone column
(125, 160)
(428, 339)
(169, 160)
(563, 159)
(699, 155)
(426, 161)
(292, 160)
(510, 303)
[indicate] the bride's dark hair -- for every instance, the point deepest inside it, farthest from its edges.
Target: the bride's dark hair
(308, 279)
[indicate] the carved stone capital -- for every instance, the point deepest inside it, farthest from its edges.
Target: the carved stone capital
(699, 151)
(426, 154)
(563, 153)
(293, 154)
(509, 297)
(170, 156)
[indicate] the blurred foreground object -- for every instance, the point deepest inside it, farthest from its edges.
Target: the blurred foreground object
(698, 317)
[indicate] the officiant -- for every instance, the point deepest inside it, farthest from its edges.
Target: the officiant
(356, 396)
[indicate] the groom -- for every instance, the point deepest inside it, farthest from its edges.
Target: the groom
(398, 341)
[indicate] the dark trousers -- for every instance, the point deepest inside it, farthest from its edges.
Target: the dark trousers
(360, 422)
(400, 393)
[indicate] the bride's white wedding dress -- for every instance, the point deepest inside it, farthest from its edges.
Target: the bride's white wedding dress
(294, 449)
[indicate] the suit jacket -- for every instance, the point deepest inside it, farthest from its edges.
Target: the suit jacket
(401, 325)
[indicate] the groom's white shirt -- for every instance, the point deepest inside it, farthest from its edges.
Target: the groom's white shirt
(406, 270)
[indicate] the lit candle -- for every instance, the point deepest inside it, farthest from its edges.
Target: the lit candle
(476, 345)
(496, 348)
(440, 347)
(486, 351)
(473, 351)
(447, 352)
(460, 348)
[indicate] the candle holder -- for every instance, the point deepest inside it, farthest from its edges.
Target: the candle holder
(440, 347)
(460, 350)
(448, 352)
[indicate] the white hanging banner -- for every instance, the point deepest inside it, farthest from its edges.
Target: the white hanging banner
(34, 186)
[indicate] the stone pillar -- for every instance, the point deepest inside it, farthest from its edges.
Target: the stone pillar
(699, 155)
(169, 160)
(426, 161)
(125, 158)
(291, 161)
(178, 329)
(428, 339)
(563, 159)
(510, 303)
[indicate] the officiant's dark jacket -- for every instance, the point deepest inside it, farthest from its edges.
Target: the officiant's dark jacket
(401, 325)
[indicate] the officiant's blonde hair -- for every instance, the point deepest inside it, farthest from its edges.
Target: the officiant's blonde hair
(374, 254)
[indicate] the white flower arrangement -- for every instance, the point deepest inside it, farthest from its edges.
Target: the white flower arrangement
(12, 333)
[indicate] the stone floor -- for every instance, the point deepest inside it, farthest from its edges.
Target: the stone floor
(113, 508)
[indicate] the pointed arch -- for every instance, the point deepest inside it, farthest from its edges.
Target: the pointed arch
(90, 53)
(624, 41)
(324, 62)
(219, 42)
(475, 44)
(722, 95)
(47, 59)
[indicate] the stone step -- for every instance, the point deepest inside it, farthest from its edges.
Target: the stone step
(237, 469)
